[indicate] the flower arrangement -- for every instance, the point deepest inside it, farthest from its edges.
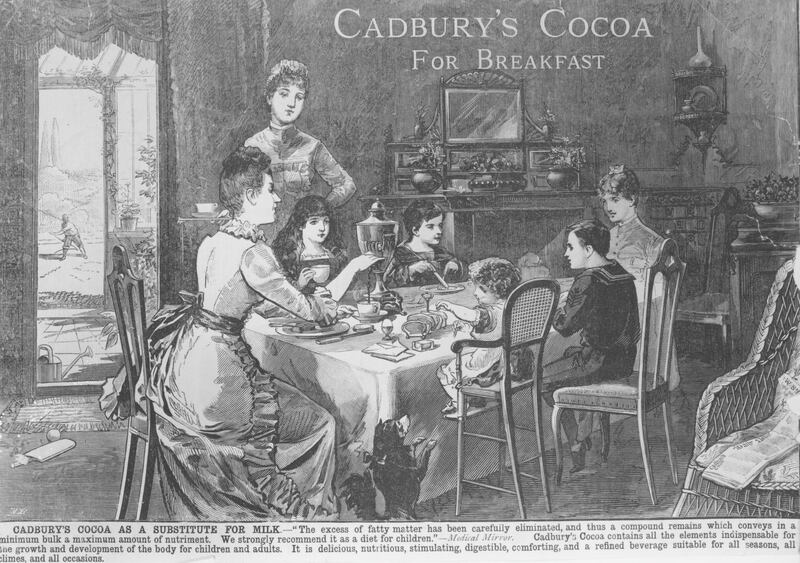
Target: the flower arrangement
(487, 162)
(568, 153)
(772, 188)
(431, 156)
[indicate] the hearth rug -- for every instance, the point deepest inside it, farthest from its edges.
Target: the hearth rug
(71, 413)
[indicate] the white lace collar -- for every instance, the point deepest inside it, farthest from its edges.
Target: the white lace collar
(243, 229)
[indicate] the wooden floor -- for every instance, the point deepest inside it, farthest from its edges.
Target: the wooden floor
(82, 484)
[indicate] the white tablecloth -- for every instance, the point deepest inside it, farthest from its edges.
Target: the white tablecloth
(360, 390)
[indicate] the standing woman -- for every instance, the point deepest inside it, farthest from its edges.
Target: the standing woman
(298, 159)
(239, 444)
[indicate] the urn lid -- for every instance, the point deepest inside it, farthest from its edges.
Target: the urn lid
(377, 216)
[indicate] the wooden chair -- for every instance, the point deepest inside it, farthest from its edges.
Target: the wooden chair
(127, 292)
(713, 307)
(527, 317)
(647, 388)
(739, 399)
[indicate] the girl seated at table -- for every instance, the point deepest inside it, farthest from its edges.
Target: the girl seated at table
(417, 260)
(494, 279)
(309, 247)
(602, 305)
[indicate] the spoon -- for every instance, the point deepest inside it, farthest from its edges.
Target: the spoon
(442, 281)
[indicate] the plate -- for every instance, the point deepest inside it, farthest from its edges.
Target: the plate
(372, 318)
(333, 330)
(439, 290)
(703, 97)
(199, 215)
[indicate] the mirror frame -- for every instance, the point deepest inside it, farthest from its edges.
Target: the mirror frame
(482, 81)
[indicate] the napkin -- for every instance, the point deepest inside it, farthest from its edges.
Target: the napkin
(392, 351)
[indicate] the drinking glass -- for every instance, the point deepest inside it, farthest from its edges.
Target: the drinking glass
(386, 327)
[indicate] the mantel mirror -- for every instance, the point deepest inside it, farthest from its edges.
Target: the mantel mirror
(482, 107)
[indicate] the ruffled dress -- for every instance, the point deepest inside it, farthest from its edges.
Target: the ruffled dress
(235, 443)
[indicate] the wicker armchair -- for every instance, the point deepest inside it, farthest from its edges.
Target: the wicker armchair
(737, 400)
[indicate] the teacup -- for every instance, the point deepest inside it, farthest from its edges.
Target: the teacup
(368, 308)
(321, 272)
(207, 208)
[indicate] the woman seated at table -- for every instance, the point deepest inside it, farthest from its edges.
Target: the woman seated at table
(309, 247)
(421, 256)
(602, 305)
(239, 444)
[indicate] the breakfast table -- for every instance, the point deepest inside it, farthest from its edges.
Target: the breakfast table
(360, 390)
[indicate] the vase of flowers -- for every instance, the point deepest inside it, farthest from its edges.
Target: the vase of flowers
(566, 159)
(427, 176)
(773, 197)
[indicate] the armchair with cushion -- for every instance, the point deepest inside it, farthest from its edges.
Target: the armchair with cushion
(740, 399)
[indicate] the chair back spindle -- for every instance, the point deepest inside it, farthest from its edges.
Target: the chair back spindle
(662, 287)
(127, 294)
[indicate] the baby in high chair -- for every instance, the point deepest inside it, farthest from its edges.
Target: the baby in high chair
(493, 279)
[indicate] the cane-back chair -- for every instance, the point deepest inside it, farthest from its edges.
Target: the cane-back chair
(127, 293)
(527, 318)
(648, 387)
(739, 399)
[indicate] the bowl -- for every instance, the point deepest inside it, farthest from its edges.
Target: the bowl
(206, 207)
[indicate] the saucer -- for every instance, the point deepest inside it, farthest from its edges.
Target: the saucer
(199, 215)
(372, 318)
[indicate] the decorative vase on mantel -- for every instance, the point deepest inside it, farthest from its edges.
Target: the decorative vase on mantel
(562, 178)
(426, 181)
(700, 59)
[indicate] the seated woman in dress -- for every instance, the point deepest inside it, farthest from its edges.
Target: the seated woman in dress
(308, 247)
(421, 255)
(239, 444)
(602, 306)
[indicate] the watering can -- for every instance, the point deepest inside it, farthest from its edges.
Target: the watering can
(48, 365)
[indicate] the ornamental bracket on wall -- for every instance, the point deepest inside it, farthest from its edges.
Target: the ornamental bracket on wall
(700, 105)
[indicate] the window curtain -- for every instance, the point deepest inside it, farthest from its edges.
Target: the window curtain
(30, 28)
(81, 27)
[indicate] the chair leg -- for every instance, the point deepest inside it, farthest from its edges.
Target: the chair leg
(605, 431)
(537, 421)
(460, 451)
(501, 451)
(148, 471)
(556, 421)
(648, 472)
(687, 485)
(508, 422)
(726, 347)
(128, 466)
(666, 407)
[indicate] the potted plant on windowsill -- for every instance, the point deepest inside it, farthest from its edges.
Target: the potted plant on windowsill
(427, 176)
(129, 212)
(566, 159)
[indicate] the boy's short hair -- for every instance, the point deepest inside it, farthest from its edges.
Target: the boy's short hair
(418, 212)
(621, 181)
(592, 232)
(287, 72)
(495, 274)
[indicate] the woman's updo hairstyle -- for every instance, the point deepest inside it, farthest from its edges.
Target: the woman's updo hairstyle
(242, 170)
(287, 72)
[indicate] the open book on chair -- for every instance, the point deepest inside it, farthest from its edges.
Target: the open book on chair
(739, 465)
